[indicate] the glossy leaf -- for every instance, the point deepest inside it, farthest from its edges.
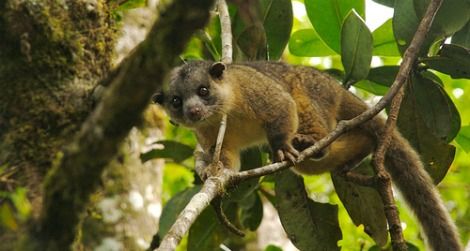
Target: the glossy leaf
(306, 43)
(452, 60)
(278, 19)
(356, 47)
(173, 208)
(354, 197)
(384, 75)
(463, 138)
(436, 154)
(405, 23)
(436, 108)
(171, 150)
(451, 17)
(309, 225)
(327, 17)
(384, 41)
(462, 37)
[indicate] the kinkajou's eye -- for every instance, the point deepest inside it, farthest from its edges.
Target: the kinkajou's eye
(203, 91)
(176, 102)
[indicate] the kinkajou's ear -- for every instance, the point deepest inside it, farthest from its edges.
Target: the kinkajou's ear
(217, 69)
(158, 98)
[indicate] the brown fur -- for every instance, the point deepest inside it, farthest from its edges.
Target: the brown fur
(284, 105)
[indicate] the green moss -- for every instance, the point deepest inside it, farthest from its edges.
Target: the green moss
(52, 54)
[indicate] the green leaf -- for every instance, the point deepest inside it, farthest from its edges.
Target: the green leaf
(383, 75)
(451, 17)
(379, 79)
(252, 42)
(278, 19)
(21, 202)
(131, 4)
(436, 154)
(251, 213)
(354, 197)
(372, 87)
(388, 3)
(462, 37)
(250, 158)
(436, 108)
(171, 150)
(272, 248)
(7, 217)
(262, 28)
(405, 23)
(356, 47)
(384, 41)
(306, 43)
(463, 138)
(207, 233)
(327, 18)
(309, 225)
(209, 44)
(173, 208)
(453, 60)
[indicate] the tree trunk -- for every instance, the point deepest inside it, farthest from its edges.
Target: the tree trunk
(52, 53)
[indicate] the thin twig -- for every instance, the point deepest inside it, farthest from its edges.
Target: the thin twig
(220, 139)
(226, 35)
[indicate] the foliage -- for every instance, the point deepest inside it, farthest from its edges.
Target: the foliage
(431, 119)
(15, 208)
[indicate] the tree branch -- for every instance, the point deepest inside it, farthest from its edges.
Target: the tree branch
(384, 185)
(78, 172)
(216, 185)
(226, 35)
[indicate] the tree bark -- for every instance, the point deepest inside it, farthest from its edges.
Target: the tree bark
(52, 53)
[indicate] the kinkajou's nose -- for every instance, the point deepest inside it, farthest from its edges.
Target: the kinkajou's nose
(195, 113)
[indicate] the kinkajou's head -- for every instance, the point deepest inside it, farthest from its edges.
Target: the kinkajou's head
(196, 94)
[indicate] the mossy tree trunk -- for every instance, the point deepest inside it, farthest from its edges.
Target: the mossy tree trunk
(52, 55)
